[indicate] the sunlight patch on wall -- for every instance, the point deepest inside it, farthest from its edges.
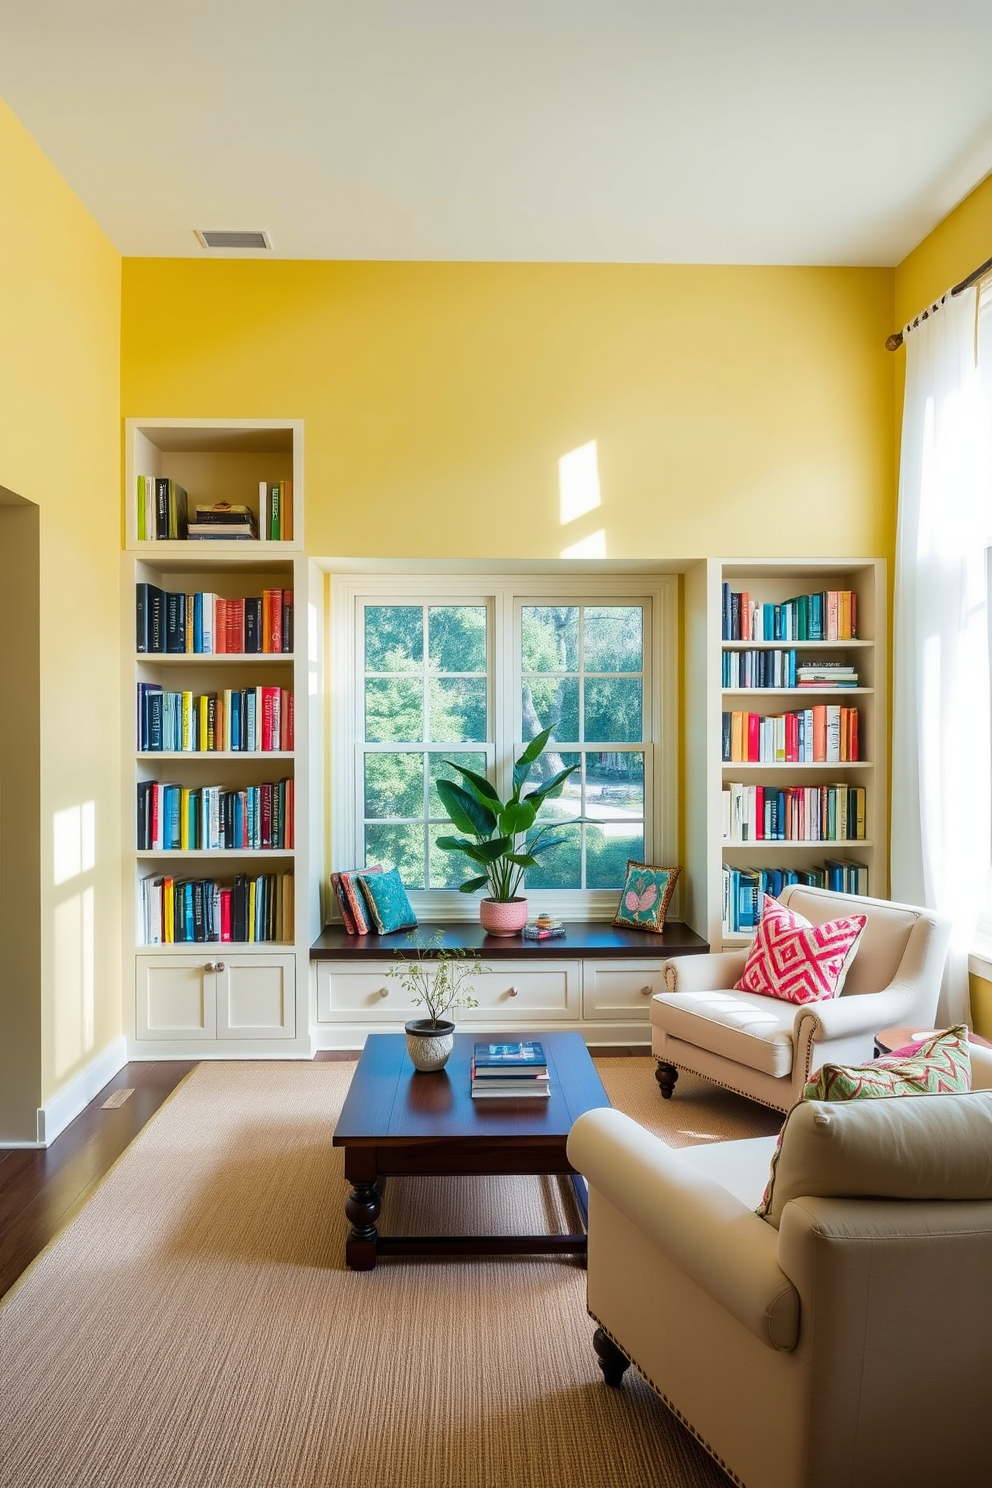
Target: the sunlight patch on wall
(74, 841)
(74, 980)
(593, 546)
(578, 482)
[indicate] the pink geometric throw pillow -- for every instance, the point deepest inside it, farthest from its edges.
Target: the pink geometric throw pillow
(797, 961)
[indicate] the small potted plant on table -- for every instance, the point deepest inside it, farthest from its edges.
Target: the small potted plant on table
(495, 825)
(439, 980)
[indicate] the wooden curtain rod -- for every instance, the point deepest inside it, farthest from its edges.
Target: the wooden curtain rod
(893, 342)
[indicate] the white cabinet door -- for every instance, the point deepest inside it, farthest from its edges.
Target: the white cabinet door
(256, 997)
(620, 991)
(176, 998)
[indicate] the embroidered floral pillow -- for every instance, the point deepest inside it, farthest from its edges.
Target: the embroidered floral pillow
(797, 961)
(645, 896)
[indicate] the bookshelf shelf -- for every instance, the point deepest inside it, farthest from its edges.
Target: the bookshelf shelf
(777, 582)
(216, 995)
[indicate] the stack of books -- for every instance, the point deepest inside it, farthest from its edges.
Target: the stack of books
(519, 1070)
(543, 928)
(223, 521)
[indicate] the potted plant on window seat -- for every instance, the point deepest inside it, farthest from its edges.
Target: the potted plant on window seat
(494, 827)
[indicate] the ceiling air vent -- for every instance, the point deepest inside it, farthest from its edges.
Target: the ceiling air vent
(210, 238)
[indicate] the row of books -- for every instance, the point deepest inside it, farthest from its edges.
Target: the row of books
(824, 734)
(745, 669)
(798, 813)
(354, 912)
(247, 719)
(163, 514)
(744, 888)
(162, 509)
(176, 818)
(251, 909)
(828, 615)
(172, 623)
(517, 1070)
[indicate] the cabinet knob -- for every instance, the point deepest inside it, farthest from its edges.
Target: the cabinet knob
(219, 966)
(647, 991)
(511, 991)
(383, 991)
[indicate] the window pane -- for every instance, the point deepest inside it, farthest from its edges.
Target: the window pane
(613, 638)
(397, 846)
(394, 710)
(551, 701)
(394, 638)
(549, 638)
(458, 709)
(607, 851)
(457, 638)
(561, 865)
(440, 770)
(394, 785)
(613, 709)
(448, 870)
(615, 785)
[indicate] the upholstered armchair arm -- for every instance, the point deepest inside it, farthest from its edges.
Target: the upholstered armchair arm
(864, 1012)
(703, 973)
(709, 1234)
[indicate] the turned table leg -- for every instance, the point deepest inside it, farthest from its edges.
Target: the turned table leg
(666, 1075)
(612, 1361)
(362, 1208)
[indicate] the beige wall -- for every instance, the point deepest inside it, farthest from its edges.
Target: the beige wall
(60, 449)
(740, 410)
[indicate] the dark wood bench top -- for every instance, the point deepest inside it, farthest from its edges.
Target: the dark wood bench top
(582, 940)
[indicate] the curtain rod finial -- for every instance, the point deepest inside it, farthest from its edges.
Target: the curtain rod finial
(893, 342)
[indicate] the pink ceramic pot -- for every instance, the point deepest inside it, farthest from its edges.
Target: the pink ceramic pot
(498, 918)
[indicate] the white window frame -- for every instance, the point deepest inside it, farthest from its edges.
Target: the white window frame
(503, 592)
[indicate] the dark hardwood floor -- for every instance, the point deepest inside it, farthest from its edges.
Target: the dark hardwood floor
(42, 1188)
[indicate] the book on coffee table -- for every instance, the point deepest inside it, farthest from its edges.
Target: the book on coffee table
(524, 1056)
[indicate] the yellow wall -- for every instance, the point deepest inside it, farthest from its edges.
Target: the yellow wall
(738, 410)
(60, 449)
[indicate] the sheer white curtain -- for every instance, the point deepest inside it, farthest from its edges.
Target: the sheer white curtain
(941, 735)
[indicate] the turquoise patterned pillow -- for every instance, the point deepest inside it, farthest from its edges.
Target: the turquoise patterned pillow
(387, 901)
(645, 896)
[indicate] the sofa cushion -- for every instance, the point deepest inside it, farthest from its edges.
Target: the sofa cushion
(940, 1065)
(796, 960)
(928, 1147)
(751, 1030)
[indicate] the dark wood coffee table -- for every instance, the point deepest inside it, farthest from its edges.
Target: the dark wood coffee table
(396, 1122)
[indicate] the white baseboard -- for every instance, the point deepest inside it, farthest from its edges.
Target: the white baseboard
(65, 1105)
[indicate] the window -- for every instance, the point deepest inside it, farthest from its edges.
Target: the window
(427, 675)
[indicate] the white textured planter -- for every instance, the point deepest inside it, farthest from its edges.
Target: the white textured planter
(429, 1044)
(503, 917)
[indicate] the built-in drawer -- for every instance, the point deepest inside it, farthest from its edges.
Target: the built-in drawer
(620, 992)
(515, 989)
(366, 992)
(354, 992)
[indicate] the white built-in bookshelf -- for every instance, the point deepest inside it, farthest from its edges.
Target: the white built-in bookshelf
(804, 791)
(223, 791)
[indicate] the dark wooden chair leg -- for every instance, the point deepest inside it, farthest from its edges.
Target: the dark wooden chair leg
(666, 1075)
(612, 1361)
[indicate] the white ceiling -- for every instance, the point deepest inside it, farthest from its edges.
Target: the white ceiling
(720, 131)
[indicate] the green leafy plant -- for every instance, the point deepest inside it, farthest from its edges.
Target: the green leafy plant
(494, 826)
(438, 978)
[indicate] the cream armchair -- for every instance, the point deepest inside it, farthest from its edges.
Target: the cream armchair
(850, 1345)
(765, 1048)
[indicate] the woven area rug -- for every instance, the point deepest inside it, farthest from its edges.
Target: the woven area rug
(196, 1327)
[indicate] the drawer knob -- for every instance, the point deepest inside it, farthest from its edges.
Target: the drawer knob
(511, 991)
(383, 991)
(647, 991)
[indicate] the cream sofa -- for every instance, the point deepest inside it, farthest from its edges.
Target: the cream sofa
(851, 1344)
(765, 1048)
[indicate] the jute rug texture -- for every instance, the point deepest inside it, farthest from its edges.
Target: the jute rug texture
(196, 1327)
